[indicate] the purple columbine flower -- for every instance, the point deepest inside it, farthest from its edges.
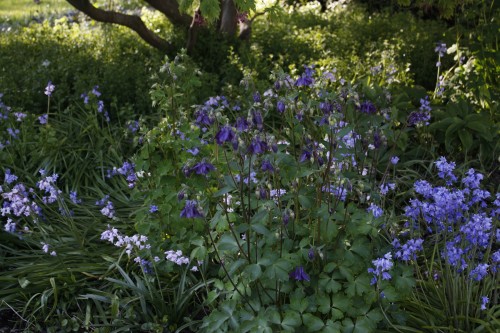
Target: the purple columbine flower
(367, 107)
(225, 134)
(191, 210)
(241, 124)
(49, 89)
(256, 97)
(257, 120)
(267, 166)
(310, 253)
(298, 274)
(257, 146)
(280, 106)
(202, 168)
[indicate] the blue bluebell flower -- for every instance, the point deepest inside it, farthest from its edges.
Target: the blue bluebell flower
(479, 272)
(382, 266)
(49, 89)
(375, 210)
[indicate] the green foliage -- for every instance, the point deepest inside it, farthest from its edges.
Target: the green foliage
(75, 57)
(258, 250)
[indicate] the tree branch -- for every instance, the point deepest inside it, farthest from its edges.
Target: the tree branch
(170, 8)
(130, 21)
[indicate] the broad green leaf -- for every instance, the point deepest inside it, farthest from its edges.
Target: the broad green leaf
(254, 271)
(466, 138)
(227, 243)
(260, 229)
(312, 323)
(291, 320)
(210, 9)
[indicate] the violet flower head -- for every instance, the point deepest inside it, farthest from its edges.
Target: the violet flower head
(267, 166)
(484, 300)
(257, 120)
(409, 250)
(85, 98)
(280, 106)
(153, 209)
(306, 79)
(73, 196)
(446, 170)
(367, 107)
(382, 266)
(49, 89)
(473, 179)
(375, 210)
(440, 49)
(298, 274)
(394, 160)
(9, 177)
(202, 168)
(225, 134)
(257, 146)
(478, 273)
(241, 124)
(191, 210)
(256, 97)
(95, 91)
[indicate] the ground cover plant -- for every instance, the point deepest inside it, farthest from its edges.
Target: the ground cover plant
(316, 198)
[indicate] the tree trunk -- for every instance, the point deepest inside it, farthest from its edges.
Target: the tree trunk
(131, 21)
(229, 18)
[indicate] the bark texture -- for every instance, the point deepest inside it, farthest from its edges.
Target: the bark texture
(130, 21)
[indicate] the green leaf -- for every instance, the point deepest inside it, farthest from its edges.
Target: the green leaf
(332, 327)
(260, 229)
(312, 323)
(245, 5)
(324, 303)
(466, 139)
(291, 320)
(362, 247)
(254, 271)
(210, 9)
(184, 5)
(227, 243)
(364, 325)
(450, 133)
(305, 202)
(260, 217)
(279, 270)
